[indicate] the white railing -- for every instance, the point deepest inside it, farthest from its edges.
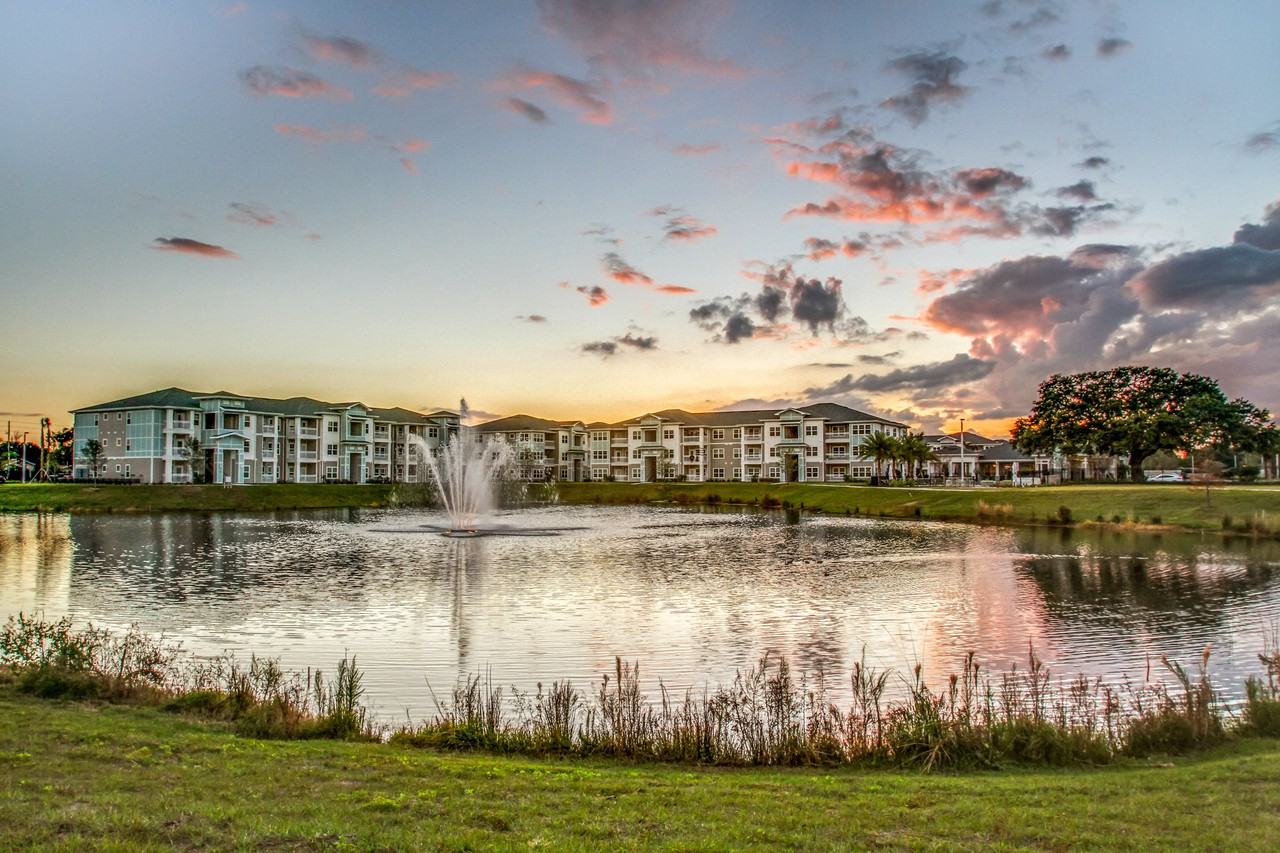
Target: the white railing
(309, 431)
(183, 426)
(307, 455)
(268, 429)
(307, 478)
(179, 478)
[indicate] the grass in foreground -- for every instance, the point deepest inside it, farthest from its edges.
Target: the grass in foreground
(77, 776)
(1241, 509)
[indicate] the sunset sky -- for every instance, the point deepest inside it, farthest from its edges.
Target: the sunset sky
(597, 209)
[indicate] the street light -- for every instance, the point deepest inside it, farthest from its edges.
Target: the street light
(962, 475)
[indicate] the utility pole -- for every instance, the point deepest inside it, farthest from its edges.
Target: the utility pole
(23, 462)
(962, 474)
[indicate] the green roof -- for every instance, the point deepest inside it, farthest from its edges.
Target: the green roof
(180, 398)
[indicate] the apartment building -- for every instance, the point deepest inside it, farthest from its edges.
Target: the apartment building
(545, 449)
(162, 436)
(817, 443)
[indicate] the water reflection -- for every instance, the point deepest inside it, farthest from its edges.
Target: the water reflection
(694, 595)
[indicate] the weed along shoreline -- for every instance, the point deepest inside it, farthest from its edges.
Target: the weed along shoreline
(1247, 510)
(123, 739)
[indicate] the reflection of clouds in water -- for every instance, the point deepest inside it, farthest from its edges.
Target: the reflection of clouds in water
(694, 596)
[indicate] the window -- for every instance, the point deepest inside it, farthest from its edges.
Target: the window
(668, 433)
(564, 438)
(128, 445)
(635, 436)
(117, 442)
(331, 426)
(737, 473)
(331, 472)
(810, 450)
(811, 472)
(95, 420)
(599, 455)
(810, 429)
(126, 470)
(635, 454)
(117, 469)
(210, 419)
(737, 433)
(128, 418)
(717, 435)
(774, 431)
(717, 453)
(433, 432)
(331, 450)
(717, 473)
(737, 453)
(635, 473)
(773, 453)
(246, 474)
(119, 416)
(774, 471)
(246, 445)
(247, 422)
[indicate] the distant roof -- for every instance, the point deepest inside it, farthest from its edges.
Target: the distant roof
(970, 437)
(829, 411)
(518, 422)
(180, 398)
(1005, 453)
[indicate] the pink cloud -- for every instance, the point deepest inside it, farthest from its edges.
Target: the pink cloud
(409, 166)
(318, 136)
(687, 150)
(340, 49)
(408, 80)
(567, 91)
(187, 246)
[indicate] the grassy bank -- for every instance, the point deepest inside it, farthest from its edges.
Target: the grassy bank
(80, 776)
(1239, 508)
(89, 498)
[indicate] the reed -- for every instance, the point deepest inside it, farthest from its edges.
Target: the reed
(768, 715)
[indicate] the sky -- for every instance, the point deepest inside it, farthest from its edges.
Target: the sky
(597, 209)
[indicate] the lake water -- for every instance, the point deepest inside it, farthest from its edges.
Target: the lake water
(692, 595)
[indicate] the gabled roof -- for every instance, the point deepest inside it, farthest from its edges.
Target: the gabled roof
(828, 411)
(970, 437)
(178, 398)
(518, 423)
(1005, 453)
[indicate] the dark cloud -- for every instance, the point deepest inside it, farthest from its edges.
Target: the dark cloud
(1264, 140)
(623, 273)
(1265, 236)
(816, 303)
(596, 295)
(981, 183)
(726, 317)
(1236, 276)
(1043, 16)
(960, 369)
(1099, 255)
(604, 349)
(1057, 53)
(1081, 190)
(1112, 47)
(933, 75)
(340, 49)
(770, 302)
(639, 39)
(1065, 221)
(1094, 162)
(682, 227)
(531, 111)
(531, 318)
(187, 246)
(887, 358)
(248, 213)
(569, 92)
(613, 346)
(264, 80)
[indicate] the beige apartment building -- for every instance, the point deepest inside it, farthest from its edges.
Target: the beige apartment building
(161, 436)
(544, 449)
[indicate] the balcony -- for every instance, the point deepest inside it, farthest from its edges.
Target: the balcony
(307, 478)
(180, 426)
(690, 438)
(837, 457)
(179, 478)
(307, 455)
(267, 453)
(268, 429)
(309, 432)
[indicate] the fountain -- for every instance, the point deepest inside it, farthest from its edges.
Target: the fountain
(466, 471)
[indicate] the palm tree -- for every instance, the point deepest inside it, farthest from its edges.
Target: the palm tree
(916, 451)
(880, 446)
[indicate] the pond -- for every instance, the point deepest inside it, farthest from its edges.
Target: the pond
(692, 595)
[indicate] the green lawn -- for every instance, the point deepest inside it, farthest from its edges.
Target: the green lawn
(109, 777)
(88, 498)
(1181, 505)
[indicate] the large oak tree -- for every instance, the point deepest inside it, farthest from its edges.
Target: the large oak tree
(1132, 412)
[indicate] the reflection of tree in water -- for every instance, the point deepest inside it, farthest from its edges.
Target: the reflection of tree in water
(1100, 577)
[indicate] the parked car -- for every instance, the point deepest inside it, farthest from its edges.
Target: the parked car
(1167, 477)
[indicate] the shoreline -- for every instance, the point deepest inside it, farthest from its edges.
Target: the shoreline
(1236, 510)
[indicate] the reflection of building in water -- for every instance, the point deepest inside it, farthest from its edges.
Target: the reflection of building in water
(35, 562)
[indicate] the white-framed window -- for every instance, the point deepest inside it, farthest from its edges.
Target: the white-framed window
(810, 429)
(668, 453)
(737, 453)
(737, 473)
(95, 420)
(599, 473)
(119, 416)
(635, 454)
(331, 471)
(717, 473)
(737, 432)
(433, 432)
(599, 455)
(247, 422)
(117, 442)
(774, 471)
(128, 417)
(717, 435)
(117, 469)
(246, 445)
(636, 435)
(810, 450)
(246, 473)
(775, 431)
(811, 472)
(126, 470)
(773, 453)
(635, 473)
(564, 438)
(331, 426)
(717, 453)
(668, 434)
(268, 469)
(128, 445)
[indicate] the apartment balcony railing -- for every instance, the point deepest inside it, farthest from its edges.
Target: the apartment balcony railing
(837, 457)
(267, 453)
(307, 478)
(690, 438)
(312, 432)
(380, 457)
(308, 455)
(268, 429)
(179, 478)
(180, 426)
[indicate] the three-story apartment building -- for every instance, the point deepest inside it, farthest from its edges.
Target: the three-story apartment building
(545, 449)
(163, 436)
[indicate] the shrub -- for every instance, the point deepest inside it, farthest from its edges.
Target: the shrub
(1064, 514)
